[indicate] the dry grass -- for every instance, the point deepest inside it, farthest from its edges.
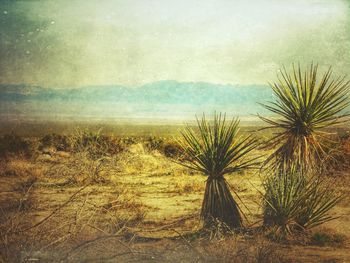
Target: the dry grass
(237, 250)
(82, 215)
(54, 208)
(183, 186)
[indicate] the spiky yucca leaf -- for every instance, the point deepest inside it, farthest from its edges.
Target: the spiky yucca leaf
(317, 201)
(281, 201)
(294, 202)
(216, 149)
(304, 105)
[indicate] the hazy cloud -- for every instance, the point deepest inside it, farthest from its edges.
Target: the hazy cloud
(74, 43)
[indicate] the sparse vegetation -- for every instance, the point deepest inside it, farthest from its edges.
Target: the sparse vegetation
(87, 190)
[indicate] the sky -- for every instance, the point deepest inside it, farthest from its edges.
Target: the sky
(73, 43)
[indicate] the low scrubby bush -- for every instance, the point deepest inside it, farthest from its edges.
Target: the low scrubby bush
(327, 239)
(57, 141)
(154, 143)
(95, 144)
(169, 148)
(173, 150)
(12, 145)
(341, 158)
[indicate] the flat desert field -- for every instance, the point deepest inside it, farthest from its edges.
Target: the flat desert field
(127, 199)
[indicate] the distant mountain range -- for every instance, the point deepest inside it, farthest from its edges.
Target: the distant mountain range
(157, 100)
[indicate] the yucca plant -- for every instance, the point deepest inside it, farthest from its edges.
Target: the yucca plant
(281, 200)
(216, 149)
(305, 105)
(294, 202)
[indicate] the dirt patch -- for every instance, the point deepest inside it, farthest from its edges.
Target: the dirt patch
(145, 210)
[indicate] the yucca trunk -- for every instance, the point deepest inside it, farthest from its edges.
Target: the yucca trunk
(219, 205)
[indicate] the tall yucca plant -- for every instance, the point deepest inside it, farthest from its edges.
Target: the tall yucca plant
(216, 149)
(305, 104)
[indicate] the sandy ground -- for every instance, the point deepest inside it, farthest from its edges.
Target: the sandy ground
(146, 210)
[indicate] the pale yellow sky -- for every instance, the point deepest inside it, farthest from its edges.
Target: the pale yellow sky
(76, 43)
